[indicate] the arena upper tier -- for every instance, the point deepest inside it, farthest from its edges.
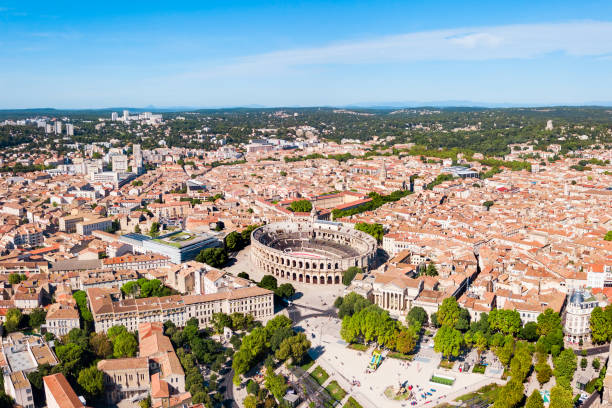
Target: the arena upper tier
(311, 252)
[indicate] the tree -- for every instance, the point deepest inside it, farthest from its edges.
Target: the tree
(529, 332)
(125, 345)
(431, 270)
(505, 321)
(405, 341)
(295, 347)
(130, 289)
(250, 401)
(520, 365)
(101, 345)
(302, 206)
(285, 291)
(276, 384)
(565, 366)
(488, 204)
(561, 397)
(481, 343)
(13, 320)
(417, 314)
(448, 313)
(509, 395)
(375, 230)
(252, 387)
(584, 363)
(71, 355)
(608, 236)
(548, 322)
(268, 282)
(92, 381)
(145, 403)
(601, 324)
(37, 317)
(154, 230)
(504, 353)
(463, 324)
(215, 257)
(596, 364)
(448, 341)
(349, 275)
(77, 336)
(543, 370)
(351, 304)
(137, 230)
(115, 331)
(233, 241)
(16, 278)
(243, 275)
(535, 400)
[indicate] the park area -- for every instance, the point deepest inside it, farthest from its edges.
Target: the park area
(395, 381)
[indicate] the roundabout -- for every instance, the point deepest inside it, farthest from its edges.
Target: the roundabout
(315, 252)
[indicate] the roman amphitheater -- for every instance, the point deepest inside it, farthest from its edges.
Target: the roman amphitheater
(311, 252)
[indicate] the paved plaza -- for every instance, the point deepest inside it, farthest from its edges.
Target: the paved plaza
(312, 312)
(347, 366)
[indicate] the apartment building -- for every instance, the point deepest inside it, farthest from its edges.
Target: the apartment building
(109, 309)
(26, 235)
(170, 210)
(69, 223)
(99, 224)
(61, 319)
(13, 209)
(136, 262)
(18, 387)
(581, 303)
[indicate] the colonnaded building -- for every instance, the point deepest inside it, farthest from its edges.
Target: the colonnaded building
(315, 252)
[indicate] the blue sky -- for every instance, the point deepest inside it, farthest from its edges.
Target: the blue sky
(297, 53)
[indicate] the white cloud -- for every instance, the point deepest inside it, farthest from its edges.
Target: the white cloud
(522, 41)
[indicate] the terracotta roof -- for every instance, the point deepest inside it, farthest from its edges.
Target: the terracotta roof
(131, 363)
(62, 392)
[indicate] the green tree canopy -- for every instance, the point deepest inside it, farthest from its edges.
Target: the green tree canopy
(215, 257)
(449, 312)
(448, 341)
(349, 275)
(301, 206)
(125, 345)
(285, 291)
(561, 397)
(92, 381)
(535, 400)
(417, 314)
(375, 230)
(268, 282)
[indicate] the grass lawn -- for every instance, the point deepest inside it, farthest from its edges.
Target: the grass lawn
(400, 356)
(335, 390)
(446, 364)
(390, 393)
(488, 392)
(352, 403)
(479, 368)
(320, 375)
(440, 380)
(307, 363)
(358, 346)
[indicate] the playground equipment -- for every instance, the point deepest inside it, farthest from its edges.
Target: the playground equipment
(376, 360)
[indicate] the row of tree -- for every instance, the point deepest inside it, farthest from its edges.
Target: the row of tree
(145, 288)
(276, 339)
(372, 324)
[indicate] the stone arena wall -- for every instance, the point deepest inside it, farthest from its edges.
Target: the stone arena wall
(342, 239)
